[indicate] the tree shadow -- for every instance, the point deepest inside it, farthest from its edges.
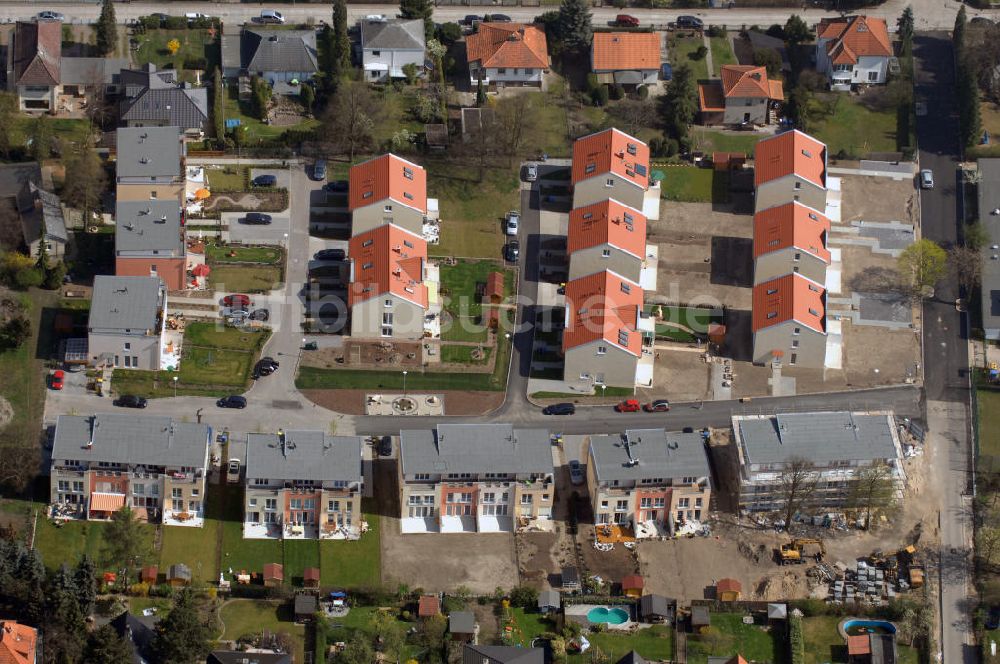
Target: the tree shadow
(876, 279)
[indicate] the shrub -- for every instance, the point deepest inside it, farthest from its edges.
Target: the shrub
(617, 91)
(671, 147)
(700, 53)
(150, 22)
(592, 82)
(599, 95)
(176, 23)
(796, 641)
(196, 63)
(173, 46)
(524, 596)
(643, 92)
(716, 31)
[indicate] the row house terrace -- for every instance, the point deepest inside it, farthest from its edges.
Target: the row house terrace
(303, 485)
(157, 466)
(466, 478)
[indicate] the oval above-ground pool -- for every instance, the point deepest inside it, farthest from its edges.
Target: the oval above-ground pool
(859, 626)
(601, 614)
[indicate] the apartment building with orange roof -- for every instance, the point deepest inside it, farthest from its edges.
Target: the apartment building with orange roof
(612, 164)
(604, 340)
(501, 54)
(629, 59)
(790, 238)
(387, 190)
(788, 167)
(392, 288)
(610, 236)
(789, 322)
(744, 95)
(18, 643)
(853, 50)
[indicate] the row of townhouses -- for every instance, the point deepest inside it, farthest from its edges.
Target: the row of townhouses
(607, 337)
(457, 478)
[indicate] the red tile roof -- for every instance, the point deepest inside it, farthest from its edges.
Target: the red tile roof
(388, 177)
(728, 586)
(37, 52)
(494, 284)
(607, 222)
(632, 582)
(310, 574)
(508, 45)
(429, 605)
(616, 51)
(859, 645)
(791, 225)
(852, 37)
(611, 151)
(388, 259)
(789, 298)
(17, 643)
(274, 571)
(788, 153)
(711, 97)
(745, 81)
(603, 306)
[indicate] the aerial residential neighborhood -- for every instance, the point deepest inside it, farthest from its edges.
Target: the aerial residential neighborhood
(499, 333)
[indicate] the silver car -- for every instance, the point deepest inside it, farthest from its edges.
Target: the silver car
(512, 223)
(576, 472)
(531, 173)
(926, 179)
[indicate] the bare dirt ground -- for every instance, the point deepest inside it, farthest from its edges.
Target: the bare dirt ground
(456, 402)
(540, 555)
(684, 374)
(878, 199)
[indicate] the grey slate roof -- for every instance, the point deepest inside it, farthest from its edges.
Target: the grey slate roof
(37, 206)
(184, 106)
(461, 622)
(661, 454)
(124, 303)
(475, 448)
(989, 200)
(267, 49)
(13, 177)
(548, 598)
(149, 152)
(147, 76)
(179, 571)
(700, 615)
(242, 657)
(777, 611)
(393, 34)
(90, 71)
(631, 657)
(656, 605)
(819, 437)
(305, 604)
(139, 632)
(305, 455)
(149, 440)
(477, 654)
(147, 226)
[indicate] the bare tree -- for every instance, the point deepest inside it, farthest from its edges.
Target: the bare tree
(483, 140)
(18, 464)
(798, 485)
(512, 114)
(874, 487)
(966, 264)
(987, 545)
(351, 118)
(634, 114)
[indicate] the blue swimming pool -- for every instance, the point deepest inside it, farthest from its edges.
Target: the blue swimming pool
(600, 614)
(856, 627)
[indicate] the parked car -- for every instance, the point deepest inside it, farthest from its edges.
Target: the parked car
(50, 16)
(336, 185)
(236, 301)
(559, 409)
(130, 401)
(330, 255)
(512, 251)
(471, 19)
(56, 379)
(626, 21)
(232, 401)
(531, 173)
(319, 169)
(194, 16)
(628, 406)
(256, 219)
(512, 223)
(927, 179)
(666, 72)
(658, 406)
(498, 18)
(690, 22)
(384, 446)
(576, 475)
(375, 17)
(233, 471)
(265, 367)
(271, 16)
(993, 619)
(265, 181)
(262, 315)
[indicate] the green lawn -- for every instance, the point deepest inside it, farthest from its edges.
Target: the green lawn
(989, 423)
(255, 131)
(245, 278)
(239, 254)
(655, 644)
(722, 53)
(67, 130)
(471, 211)
(195, 44)
(217, 336)
(687, 183)
(990, 635)
(24, 375)
(213, 366)
(852, 128)
(67, 543)
(356, 563)
(696, 318)
(728, 636)
(230, 178)
(458, 287)
(247, 616)
(249, 555)
(298, 555)
(195, 547)
(463, 354)
(825, 645)
(681, 50)
(989, 117)
(708, 141)
(549, 122)
(528, 627)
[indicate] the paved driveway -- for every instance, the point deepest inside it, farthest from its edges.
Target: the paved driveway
(274, 233)
(284, 175)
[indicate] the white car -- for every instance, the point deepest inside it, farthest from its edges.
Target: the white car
(512, 223)
(531, 173)
(233, 471)
(926, 179)
(575, 472)
(271, 16)
(194, 16)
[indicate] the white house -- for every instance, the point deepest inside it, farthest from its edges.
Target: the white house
(507, 54)
(853, 50)
(389, 45)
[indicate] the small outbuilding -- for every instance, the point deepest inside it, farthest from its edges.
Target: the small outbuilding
(494, 287)
(631, 657)
(548, 601)
(728, 590)
(149, 574)
(700, 618)
(179, 574)
(274, 575)
(428, 605)
(462, 626)
(310, 577)
(656, 609)
(570, 579)
(776, 611)
(632, 585)
(306, 607)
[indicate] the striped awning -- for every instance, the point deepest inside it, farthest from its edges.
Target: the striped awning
(106, 502)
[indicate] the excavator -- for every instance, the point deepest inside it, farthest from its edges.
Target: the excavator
(798, 550)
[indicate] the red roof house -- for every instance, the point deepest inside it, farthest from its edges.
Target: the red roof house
(853, 49)
(17, 643)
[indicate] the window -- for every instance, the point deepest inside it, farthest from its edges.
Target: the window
(602, 350)
(798, 256)
(872, 76)
(367, 266)
(387, 208)
(621, 506)
(388, 303)
(407, 173)
(798, 185)
(407, 244)
(794, 358)
(610, 182)
(527, 498)
(252, 502)
(688, 480)
(632, 149)
(270, 503)
(407, 195)
(387, 318)
(772, 314)
(367, 194)
(137, 489)
(63, 485)
(590, 168)
(795, 343)
(376, 53)
(194, 492)
(626, 288)
(177, 492)
(152, 195)
(697, 502)
(605, 253)
(529, 71)
(684, 502)
(310, 504)
(623, 337)
(501, 70)
(128, 346)
(296, 503)
(658, 502)
(514, 71)
(422, 476)
(604, 504)
(813, 312)
(78, 487)
(772, 291)
(797, 330)
(646, 503)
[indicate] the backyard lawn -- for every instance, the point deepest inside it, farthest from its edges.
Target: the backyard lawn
(825, 645)
(348, 564)
(298, 555)
(853, 128)
(217, 253)
(681, 51)
(989, 424)
(195, 44)
(67, 543)
(241, 617)
(728, 636)
(195, 547)
(256, 131)
(687, 183)
(23, 384)
(230, 178)
(458, 287)
(722, 53)
(989, 117)
(471, 211)
(696, 318)
(463, 354)
(244, 278)
(655, 644)
(708, 141)
(68, 130)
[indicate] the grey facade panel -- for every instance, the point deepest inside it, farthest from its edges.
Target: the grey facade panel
(303, 455)
(660, 454)
(475, 448)
(131, 439)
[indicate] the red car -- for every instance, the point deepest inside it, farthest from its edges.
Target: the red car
(56, 379)
(237, 301)
(628, 406)
(627, 21)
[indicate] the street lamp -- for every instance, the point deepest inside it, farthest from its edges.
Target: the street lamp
(286, 240)
(404, 381)
(175, 385)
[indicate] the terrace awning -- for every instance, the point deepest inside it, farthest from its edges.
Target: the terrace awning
(106, 502)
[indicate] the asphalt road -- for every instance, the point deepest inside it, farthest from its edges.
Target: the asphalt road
(946, 359)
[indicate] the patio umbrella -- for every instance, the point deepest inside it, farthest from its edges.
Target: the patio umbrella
(202, 194)
(201, 270)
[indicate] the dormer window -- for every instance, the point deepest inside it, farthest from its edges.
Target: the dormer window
(407, 195)
(367, 243)
(367, 194)
(367, 266)
(807, 153)
(407, 173)
(408, 244)
(813, 312)
(588, 215)
(772, 314)
(590, 168)
(632, 149)
(626, 288)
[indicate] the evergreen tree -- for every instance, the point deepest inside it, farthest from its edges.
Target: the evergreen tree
(341, 42)
(575, 26)
(124, 546)
(480, 94)
(904, 25)
(41, 137)
(42, 263)
(422, 9)
(307, 96)
(107, 28)
(64, 629)
(218, 105)
(182, 636)
(85, 577)
(681, 104)
(796, 30)
(958, 34)
(105, 646)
